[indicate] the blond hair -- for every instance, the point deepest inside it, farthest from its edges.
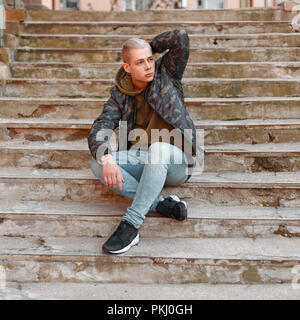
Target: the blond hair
(132, 43)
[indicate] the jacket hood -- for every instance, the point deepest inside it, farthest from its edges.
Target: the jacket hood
(124, 83)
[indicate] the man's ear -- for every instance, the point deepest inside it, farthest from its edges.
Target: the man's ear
(126, 67)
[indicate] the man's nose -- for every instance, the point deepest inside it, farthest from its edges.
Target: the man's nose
(147, 65)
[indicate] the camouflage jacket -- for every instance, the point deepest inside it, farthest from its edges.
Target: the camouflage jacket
(164, 94)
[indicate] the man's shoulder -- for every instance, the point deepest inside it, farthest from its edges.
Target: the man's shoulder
(116, 94)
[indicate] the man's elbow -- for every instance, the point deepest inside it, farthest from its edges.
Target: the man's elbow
(183, 37)
(183, 34)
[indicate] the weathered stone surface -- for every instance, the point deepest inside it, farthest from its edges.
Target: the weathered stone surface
(215, 132)
(54, 88)
(252, 158)
(222, 158)
(15, 14)
(43, 134)
(13, 28)
(113, 291)
(207, 261)
(192, 87)
(199, 108)
(196, 40)
(4, 55)
(250, 134)
(4, 71)
(67, 219)
(196, 55)
(42, 158)
(244, 108)
(269, 70)
(255, 189)
(258, 14)
(143, 28)
(195, 87)
(280, 70)
(56, 108)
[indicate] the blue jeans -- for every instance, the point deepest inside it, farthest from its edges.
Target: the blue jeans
(145, 173)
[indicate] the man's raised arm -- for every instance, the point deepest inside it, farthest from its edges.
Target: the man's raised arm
(175, 61)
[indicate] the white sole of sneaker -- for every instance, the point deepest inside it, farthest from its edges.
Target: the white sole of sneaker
(174, 197)
(134, 242)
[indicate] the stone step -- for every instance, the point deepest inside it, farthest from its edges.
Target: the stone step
(269, 157)
(100, 55)
(74, 219)
(199, 108)
(127, 291)
(281, 70)
(223, 260)
(192, 87)
(196, 40)
(157, 27)
(270, 189)
(249, 131)
(215, 132)
(280, 157)
(54, 108)
(255, 14)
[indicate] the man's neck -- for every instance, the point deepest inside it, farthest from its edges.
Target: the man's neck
(138, 85)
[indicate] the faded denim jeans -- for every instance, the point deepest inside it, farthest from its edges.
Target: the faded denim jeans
(145, 173)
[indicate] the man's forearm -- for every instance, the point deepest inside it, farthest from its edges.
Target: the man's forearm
(173, 39)
(175, 61)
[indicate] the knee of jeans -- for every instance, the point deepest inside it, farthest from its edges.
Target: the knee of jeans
(96, 169)
(165, 153)
(159, 153)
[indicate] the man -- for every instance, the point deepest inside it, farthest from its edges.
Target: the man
(147, 97)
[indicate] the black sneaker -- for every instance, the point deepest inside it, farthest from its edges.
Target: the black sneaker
(122, 239)
(172, 207)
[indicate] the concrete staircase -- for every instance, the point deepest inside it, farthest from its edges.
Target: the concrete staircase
(242, 237)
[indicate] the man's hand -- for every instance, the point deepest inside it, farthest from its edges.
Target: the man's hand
(111, 172)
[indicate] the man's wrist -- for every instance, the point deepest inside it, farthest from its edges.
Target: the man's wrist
(106, 158)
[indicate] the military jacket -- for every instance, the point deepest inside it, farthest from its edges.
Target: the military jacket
(164, 94)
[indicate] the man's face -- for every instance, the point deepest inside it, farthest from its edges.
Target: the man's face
(141, 64)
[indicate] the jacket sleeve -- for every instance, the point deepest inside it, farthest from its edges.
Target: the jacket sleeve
(175, 61)
(102, 128)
